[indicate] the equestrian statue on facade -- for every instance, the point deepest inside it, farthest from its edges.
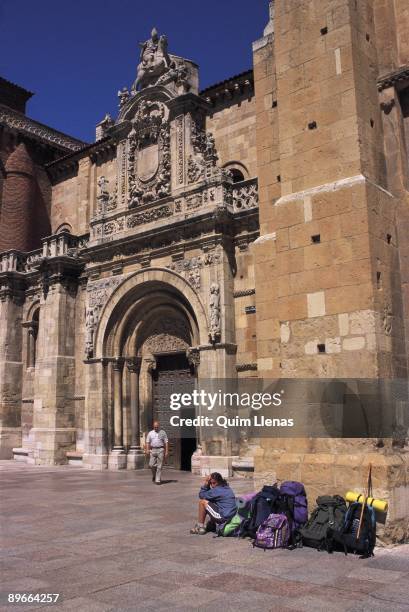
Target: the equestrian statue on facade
(154, 61)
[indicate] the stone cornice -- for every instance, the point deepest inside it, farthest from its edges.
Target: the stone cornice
(230, 89)
(69, 163)
(393, 78)
(31, 128)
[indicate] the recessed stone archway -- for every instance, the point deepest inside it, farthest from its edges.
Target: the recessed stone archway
(152, 314)
(144, 283)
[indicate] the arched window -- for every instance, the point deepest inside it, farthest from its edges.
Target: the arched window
(237, 170)
(237, 175)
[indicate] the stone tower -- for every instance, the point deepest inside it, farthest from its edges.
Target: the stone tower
(330, 263)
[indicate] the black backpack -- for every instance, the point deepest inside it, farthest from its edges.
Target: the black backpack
(328, 516)
(262, 505)
(346, 536)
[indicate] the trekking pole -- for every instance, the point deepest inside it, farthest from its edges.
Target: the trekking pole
(368, 485)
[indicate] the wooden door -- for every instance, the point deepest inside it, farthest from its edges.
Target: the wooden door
(172, 375)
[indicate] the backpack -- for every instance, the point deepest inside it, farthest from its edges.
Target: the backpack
(274, 532)
(262, 505)
(327, 517)
(231, 528)
(347, 535)
(294, 498)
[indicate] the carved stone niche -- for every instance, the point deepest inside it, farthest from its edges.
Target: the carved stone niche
(149, 163)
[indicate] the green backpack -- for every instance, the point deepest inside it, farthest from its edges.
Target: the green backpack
(232, 527)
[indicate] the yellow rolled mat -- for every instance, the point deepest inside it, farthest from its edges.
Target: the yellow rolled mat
(378, 504)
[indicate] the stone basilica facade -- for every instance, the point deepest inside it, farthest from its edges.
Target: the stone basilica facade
(257, 228)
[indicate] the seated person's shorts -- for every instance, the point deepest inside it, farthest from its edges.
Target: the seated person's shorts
(212, 510)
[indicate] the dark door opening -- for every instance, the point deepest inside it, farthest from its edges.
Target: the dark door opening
(173, 375)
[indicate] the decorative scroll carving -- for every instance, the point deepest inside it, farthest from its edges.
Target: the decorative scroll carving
(112, 227)
(245, 196)
(149, 154)
(150, 215)
(214, 312)
(194, 201)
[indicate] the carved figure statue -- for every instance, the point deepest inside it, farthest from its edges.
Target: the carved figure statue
(154, 61)
(102, 184)
(123, 96)
(214, 307)
(89, 336)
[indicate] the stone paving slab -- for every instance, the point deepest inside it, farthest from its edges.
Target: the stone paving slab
(114, 541)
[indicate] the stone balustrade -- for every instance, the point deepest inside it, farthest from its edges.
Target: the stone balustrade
(245, 195)
(57, 245)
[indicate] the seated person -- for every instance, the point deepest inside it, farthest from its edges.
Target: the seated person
(217, 500)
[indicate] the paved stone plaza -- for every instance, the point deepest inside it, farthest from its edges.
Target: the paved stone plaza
(114, 541)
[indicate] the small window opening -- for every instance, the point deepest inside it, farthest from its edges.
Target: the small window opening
(237, 175)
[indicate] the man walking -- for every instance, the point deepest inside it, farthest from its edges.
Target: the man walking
(157, 446)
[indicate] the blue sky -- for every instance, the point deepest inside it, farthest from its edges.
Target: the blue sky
(75, 55)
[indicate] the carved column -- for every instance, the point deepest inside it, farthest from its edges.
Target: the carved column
(134, 367)
(135, 455)
(117, 367)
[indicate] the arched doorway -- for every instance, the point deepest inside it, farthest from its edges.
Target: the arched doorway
(146, 332)
(163, 341)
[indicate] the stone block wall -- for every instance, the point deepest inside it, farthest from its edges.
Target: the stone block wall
(233, 129)
(328, 263)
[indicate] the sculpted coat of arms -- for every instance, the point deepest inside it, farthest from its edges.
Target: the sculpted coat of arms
(149, 154)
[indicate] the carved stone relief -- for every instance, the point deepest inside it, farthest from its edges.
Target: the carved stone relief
(169, 335)
(193, 357)
(204, 156)
(147, 216)
(98, 293)
(106, 200)
(190, 268)
(149, 164)
(180, 141)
